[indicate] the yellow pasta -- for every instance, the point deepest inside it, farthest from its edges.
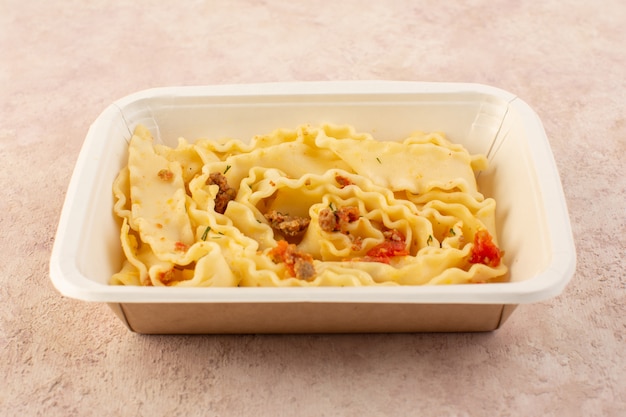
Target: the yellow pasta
(313, 206)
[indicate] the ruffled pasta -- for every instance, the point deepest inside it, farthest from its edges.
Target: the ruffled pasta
(314, 206)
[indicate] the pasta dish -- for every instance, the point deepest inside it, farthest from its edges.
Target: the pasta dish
(312, 206)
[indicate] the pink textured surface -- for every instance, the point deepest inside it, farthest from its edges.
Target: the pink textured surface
(63, 62)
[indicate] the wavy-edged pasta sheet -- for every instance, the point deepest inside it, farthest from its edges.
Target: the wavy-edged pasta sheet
(313, 206)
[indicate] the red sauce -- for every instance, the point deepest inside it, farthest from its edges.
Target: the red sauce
(180, 247)
(342, 181)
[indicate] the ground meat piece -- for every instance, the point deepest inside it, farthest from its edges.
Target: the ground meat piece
(338, 220)
(304, 268)
(347, 215)
(225, 193)
(327, 219)
(298, 264)
(287, 225)
(393, 235)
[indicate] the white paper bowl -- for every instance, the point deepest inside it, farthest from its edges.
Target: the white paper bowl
(531, 217)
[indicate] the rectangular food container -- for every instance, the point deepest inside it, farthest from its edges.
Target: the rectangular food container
(531, 216)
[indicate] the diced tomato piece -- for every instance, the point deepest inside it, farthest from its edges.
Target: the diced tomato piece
(383, 252)
(277, 254)
(484, 250)
(388, 249)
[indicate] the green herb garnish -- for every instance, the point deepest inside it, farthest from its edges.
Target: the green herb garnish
(227, 168)
(452, 232)
(206, 232)
(379, 161)
(430, 240)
